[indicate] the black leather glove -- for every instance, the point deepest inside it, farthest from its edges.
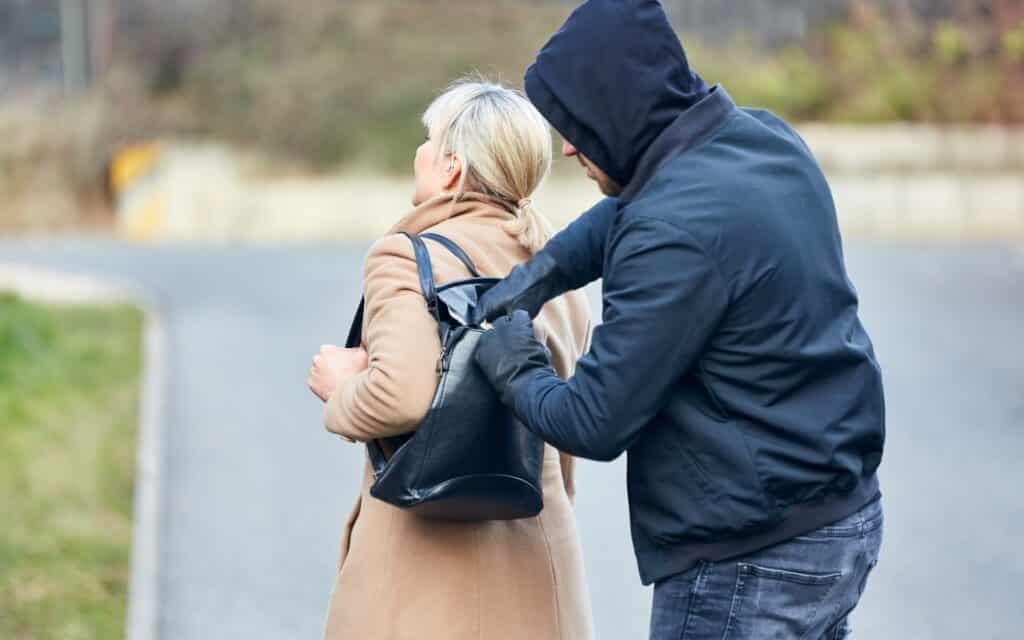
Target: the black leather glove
(528, 287)
(509, 353)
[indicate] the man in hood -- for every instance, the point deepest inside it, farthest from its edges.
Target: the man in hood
(731, 364)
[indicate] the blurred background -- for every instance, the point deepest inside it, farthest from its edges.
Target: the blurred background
(208, 120)
(232, 159)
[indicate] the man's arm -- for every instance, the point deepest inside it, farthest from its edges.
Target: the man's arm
(663, 299)
(579, 248)
(571, 259)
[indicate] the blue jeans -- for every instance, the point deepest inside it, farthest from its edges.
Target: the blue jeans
(802, 588)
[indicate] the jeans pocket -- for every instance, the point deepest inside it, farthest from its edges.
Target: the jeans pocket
(673, 599)
(776, 603)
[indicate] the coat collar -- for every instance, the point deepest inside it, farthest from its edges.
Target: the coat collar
(445, 207)
(691, 128)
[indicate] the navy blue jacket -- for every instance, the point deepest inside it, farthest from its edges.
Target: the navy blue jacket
(731, 363)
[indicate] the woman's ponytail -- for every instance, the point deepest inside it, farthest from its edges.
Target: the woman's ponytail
(531, 228)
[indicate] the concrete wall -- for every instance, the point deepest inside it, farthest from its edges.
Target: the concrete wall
(910, 182)
(894, 182)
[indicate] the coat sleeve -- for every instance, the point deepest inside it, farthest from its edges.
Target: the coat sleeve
(401, 338)
(568, 261)
(663, 299)
(579, 249)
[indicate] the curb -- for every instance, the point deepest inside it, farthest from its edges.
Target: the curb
(55, 287)
(144, 581)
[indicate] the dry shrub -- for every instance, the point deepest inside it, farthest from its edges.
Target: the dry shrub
(325, 84)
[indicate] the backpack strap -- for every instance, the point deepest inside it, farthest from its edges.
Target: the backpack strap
(455, 249)
(355, 332)
(426, 274)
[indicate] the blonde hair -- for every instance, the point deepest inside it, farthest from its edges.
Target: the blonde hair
(504, 145)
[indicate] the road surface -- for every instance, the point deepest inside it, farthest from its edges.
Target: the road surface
(256, 492)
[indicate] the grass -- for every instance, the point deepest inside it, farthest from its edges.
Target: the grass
(69, 384)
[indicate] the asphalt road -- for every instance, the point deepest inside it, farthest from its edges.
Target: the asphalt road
(256, 491)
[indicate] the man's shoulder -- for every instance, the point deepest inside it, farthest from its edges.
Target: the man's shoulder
(661, 225)
(735, 173)
(670, 204)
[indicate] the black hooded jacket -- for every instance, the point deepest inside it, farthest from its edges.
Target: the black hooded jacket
(731, 363)
(611, 80)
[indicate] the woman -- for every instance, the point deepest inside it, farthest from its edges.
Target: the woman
(403, 576)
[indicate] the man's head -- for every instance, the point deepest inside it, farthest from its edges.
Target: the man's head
(604, 182)
(610, 81)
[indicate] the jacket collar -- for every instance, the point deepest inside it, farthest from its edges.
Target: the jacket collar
(691, 127)
(445, 207)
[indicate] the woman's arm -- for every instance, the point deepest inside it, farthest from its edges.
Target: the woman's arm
(401, 338)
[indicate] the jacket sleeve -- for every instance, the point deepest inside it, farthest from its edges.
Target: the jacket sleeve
(579, 249)
(663, 299)
(570, 260)
(401, 338)
(567, 460)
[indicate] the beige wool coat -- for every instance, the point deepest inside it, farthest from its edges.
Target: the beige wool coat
(403, 577)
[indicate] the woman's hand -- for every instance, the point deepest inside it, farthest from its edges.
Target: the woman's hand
(333, 366)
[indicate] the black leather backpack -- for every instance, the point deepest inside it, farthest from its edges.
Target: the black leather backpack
(470, 458)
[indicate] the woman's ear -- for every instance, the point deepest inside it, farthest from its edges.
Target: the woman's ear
(452, 172)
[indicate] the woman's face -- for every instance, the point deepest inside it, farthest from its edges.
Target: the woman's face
(434, 174)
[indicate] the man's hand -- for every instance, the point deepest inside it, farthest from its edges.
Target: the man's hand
(332, 367)
(509, 353)
(528, 287)
(573, 258)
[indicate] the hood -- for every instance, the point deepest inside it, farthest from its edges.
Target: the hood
(613, 78)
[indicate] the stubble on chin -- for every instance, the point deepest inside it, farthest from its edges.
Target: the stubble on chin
(608, 186)
(605, 184)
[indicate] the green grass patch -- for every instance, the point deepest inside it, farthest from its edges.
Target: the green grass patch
(69, 388)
